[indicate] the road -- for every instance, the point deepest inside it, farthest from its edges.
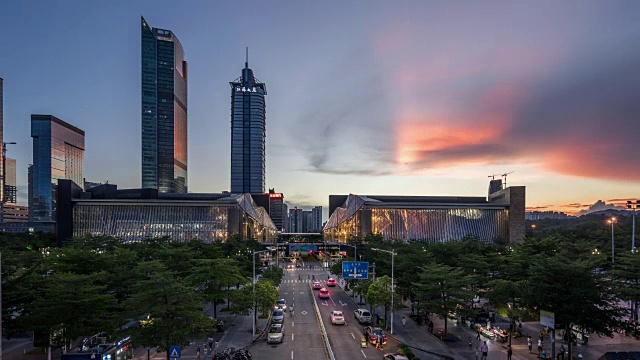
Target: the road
(345, 340)
(303, 338)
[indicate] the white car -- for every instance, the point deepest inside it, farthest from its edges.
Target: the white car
(363, 316)
(281, 304)
(337, 318)
(276, 334)
(395, 357)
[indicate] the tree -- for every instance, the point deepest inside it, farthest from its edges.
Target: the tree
(273, 274)
(174, 309)
(362, 287)
(214, 277)
(68, 306)
(379, 294)
(574, 293)
(627, 275)
(442, 288)
(507, 293)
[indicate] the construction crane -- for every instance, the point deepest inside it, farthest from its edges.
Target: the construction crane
(505, 178)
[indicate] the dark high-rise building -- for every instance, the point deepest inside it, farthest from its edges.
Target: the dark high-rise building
(276, 209)
(2, 181)
(58, 153)
(164, 111)
(316, 219)
(248, 132)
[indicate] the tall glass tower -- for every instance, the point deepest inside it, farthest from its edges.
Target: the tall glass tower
(164, 111)
(2, 180)
(248, 133)
(58, 153)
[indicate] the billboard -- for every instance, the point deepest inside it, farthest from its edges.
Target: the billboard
(303, 248)
(547, 318)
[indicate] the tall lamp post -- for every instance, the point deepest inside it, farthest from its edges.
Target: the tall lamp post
(633, 207)
(393, 255)
(254, 293)
(355, 250)
(612, 221)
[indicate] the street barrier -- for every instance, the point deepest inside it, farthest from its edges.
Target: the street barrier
(324, 331)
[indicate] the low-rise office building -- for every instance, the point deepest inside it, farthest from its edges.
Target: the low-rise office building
(428, 218)
(136, 214)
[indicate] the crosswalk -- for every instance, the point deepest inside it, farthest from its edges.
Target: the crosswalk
(290, 281)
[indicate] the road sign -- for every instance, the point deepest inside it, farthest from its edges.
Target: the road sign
(174, 352)
(547, 318)
(355, 269)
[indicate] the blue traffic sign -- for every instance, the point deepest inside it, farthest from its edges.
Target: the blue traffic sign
(355, 269)
(174, 352)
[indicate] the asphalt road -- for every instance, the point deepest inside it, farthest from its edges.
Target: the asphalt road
(303, 339)
(345, 339)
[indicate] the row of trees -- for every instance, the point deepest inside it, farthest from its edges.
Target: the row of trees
(98, 284)
(559, 270)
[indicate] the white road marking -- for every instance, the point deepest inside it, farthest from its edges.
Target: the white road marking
(325, 303)
(334, 303)
(293, 323)
(362, 351)
(292, 337)
(353, 336)
(301, 293)
(291, 354)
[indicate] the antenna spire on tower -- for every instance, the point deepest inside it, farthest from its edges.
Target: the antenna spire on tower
(246, 62)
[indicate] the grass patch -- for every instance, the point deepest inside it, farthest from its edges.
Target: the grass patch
(406, 351)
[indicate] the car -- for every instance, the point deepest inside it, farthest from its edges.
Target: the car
(372, 333)
(363, 316)
(324, 294)
(277, 317)
(395, 357)
(337, 317)
(299, 265)
(317, 285)
(275, 334)
(290, 266)
(331, 282)
(281, 304)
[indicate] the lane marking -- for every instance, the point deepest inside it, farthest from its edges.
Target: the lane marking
(293, 323)
(325, 303)
(292, 337)
(362, 351)
(334, 303)
(353, 336)
(291, 354)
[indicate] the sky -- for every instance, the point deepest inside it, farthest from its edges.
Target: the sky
(364, 97)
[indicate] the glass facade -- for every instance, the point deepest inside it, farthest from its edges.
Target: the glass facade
(416, 222)
(248, 134)
(135, 220)
(58, 153)
(10, 181)
(164, 111)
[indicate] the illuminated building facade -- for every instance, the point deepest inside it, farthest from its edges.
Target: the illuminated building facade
(431, 219)
(58, 153)
(276, 209)
(164, 111)
(248, 133)
(136, 214)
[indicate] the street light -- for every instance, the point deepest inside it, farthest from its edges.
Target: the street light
(612, 221)
(254, 293)
(393, 255)
(630, 206)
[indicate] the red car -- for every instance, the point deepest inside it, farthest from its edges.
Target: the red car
(323, 294)
(317, 285)
(331, 282)
(372, 333)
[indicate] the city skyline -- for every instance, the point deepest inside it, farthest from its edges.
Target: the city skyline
(395, 100)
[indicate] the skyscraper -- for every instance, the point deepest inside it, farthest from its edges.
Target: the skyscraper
(10, 187)
(276, 202)
(58, 153)
(316, 219)
(164, 111)
(2, 181)
(248, 132)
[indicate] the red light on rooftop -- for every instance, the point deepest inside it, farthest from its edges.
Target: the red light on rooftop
(274, 196)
